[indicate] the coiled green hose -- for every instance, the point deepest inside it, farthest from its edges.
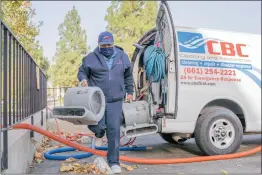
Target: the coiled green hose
(154, 62)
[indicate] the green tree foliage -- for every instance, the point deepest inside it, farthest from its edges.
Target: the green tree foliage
(18, 16)
(129, 20)
(70, 50)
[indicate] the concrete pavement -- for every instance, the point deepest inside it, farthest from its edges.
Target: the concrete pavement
(161, 149)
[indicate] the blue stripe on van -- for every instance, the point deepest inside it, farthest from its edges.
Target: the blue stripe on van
(251, 76)
(256, 70)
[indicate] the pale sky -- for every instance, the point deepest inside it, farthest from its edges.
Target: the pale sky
(240, 16)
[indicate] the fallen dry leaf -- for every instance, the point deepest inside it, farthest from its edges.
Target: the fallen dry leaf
(69, 160)
(134, 166)
(38, 160)
(39, 149)
(224, 172)
(92, 166)
(38, 155)
(66, 168)
(77, 165)
(129, 167)
(78, 168)
(45, 140)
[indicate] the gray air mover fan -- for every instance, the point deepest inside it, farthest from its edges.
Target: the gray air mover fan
(82, 106)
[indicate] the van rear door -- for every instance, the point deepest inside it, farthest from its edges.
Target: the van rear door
(166, 30)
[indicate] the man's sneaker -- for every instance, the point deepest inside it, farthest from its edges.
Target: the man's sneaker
(98, 141)
(116, 169)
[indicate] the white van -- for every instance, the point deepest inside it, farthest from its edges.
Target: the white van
(213, 89)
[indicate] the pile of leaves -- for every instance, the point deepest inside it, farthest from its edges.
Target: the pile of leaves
(47, 144)
(44, 147)
(70, 165)
(68, 136)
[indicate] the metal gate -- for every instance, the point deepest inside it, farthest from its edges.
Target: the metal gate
(55, 96)
(23, 88)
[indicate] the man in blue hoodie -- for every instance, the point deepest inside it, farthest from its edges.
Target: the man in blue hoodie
(109, 68)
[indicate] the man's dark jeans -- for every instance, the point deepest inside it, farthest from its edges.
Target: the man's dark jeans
(110, 124)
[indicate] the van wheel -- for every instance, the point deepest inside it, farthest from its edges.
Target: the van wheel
(218, 131)
(168, 138)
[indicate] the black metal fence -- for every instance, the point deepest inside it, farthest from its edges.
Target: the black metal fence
(22, 84)
(55, 96)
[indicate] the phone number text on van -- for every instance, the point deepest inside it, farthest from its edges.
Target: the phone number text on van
(209, 71)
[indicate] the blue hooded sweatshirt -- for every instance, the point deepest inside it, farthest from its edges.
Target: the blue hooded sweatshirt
(114, 82)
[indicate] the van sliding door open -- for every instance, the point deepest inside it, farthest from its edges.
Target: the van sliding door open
(166, 34)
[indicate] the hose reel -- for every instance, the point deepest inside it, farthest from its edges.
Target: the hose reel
(82, 106)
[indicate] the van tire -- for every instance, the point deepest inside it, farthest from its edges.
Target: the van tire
(206, 136)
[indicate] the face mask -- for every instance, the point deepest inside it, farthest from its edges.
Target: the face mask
(107, 52)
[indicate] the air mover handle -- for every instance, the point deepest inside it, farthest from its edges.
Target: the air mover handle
(80, 83)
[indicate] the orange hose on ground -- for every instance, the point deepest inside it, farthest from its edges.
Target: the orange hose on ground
(138, 160)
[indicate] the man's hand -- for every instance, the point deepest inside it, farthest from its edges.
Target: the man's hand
(129, 98)
(84, 83)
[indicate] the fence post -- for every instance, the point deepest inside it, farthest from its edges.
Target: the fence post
(1, 93)
(60, 99)
(42, 118)
(46, 114)
(5, 112)
(32, 123)
(54, 95)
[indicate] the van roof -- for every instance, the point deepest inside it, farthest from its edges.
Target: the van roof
(219, 30)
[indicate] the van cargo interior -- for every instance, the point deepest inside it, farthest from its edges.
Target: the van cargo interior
(159, 35)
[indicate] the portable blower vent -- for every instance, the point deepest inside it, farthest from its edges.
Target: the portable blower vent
(82, 106)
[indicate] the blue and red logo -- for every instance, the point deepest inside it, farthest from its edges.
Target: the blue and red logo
(106, 38)
(195, 43)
